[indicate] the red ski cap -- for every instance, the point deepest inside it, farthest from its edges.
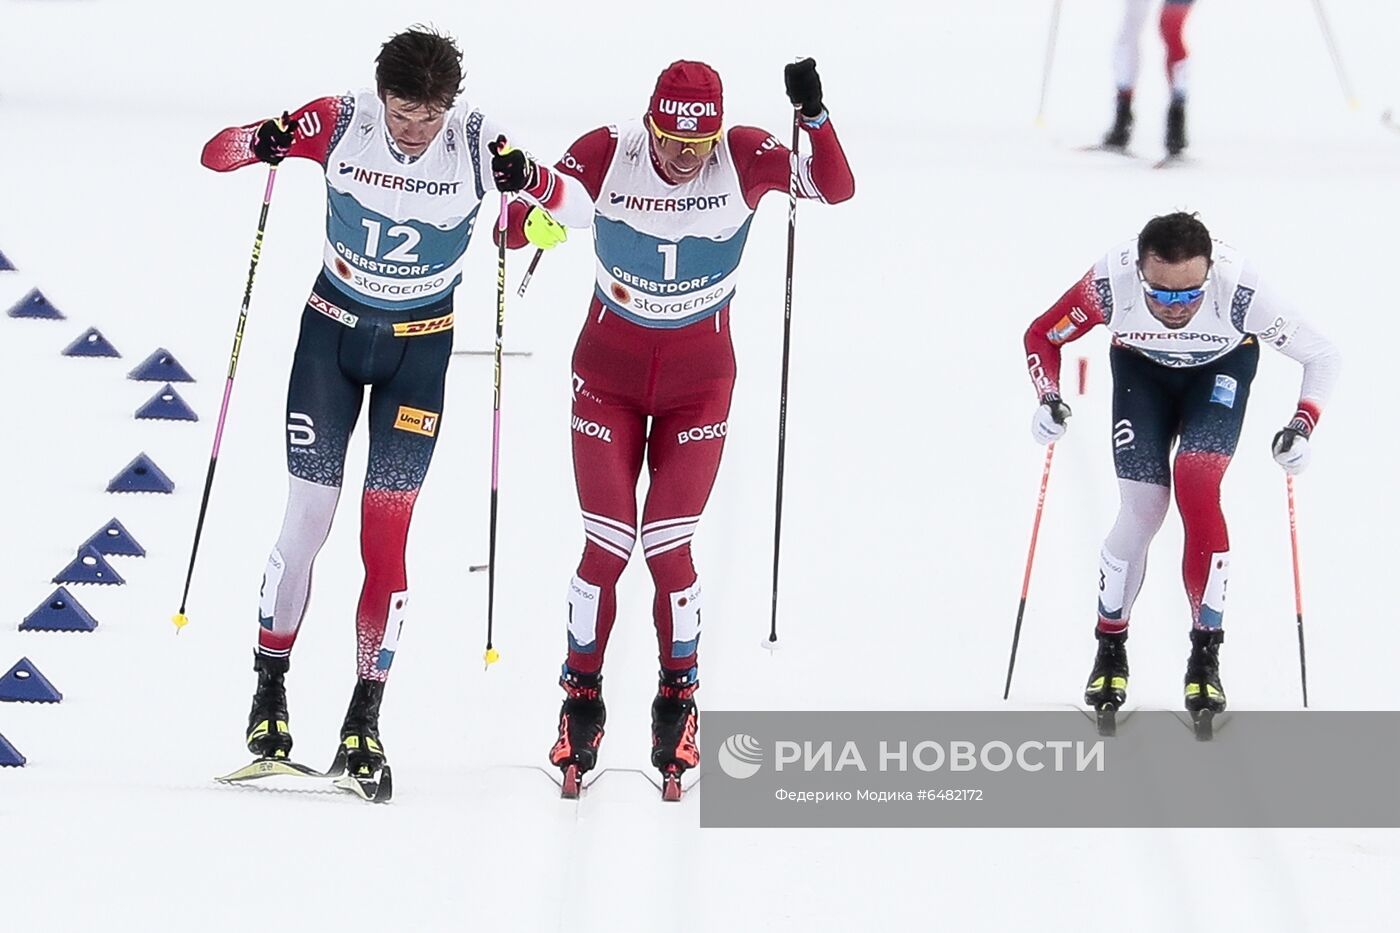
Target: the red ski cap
(688, 101)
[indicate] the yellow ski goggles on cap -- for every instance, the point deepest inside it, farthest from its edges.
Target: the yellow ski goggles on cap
(672, 145)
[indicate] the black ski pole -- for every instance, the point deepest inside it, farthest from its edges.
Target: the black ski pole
(782, 398)
(492, 655)
(529, 273)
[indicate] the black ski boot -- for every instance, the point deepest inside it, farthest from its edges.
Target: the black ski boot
(581, 719)
(1107, 689)
(359, 734)
(1204, 695)
(1176, 127)
(673, 727)
(1122, 131)
(268, 732)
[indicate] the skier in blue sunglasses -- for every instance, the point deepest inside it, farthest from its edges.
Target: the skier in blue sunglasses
(1186, 315)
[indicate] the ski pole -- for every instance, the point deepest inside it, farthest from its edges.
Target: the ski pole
(492, 655)
(1049, 60)
(1326, 28)
(1030, 558)
(783, 394)
(180, 619)
(529, 273)
(1297, 591)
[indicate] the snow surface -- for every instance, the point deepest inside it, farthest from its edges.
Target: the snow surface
(910, 486)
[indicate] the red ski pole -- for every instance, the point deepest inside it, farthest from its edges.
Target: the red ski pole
(1030, 559)
(1297, 591)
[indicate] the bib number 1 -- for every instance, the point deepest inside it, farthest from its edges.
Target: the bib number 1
(668, 260)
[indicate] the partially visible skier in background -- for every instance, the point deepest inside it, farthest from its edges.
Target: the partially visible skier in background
(1126, 61)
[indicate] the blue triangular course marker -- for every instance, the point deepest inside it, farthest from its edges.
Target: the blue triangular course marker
(160, 366)
(24, 684)
(5, 264)
(113, 539)
(141, 475)
(166, 405)
(89, 567)
(59, 613)
(36, 305)
(91, 343)
(9, 755)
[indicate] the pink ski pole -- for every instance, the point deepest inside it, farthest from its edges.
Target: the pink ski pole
(180, 619)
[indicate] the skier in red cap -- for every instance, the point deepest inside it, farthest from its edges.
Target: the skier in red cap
(670, 198)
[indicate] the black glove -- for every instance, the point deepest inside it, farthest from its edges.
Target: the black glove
(512, 169)
(1290, 446)
(1059, 411)
(804, 86)
(274, 139)
(1051, 419)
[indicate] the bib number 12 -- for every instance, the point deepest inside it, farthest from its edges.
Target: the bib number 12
(400, 253)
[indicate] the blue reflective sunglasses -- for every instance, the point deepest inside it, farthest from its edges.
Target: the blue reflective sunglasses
(1168, 296)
